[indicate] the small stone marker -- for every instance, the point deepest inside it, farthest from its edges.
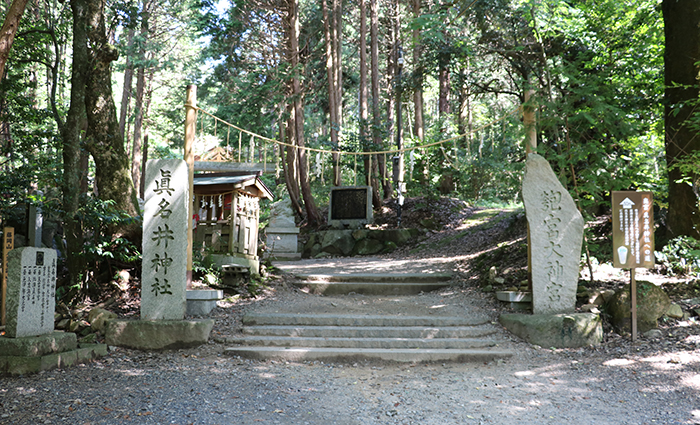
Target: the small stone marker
(31, 292)
(163, 278)
(556, 235)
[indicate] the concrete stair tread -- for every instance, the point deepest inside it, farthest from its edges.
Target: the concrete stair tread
(355, 342)
(382, 354)
(372, 331)
(369, 288)
(360, 320)
(376, 277)
(370, 283)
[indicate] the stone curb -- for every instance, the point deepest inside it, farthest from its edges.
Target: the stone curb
(19, 365)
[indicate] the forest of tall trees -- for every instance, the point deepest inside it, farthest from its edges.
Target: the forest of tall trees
(91, 88)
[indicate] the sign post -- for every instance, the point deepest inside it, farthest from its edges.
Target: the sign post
(8, 244)
(633, 238)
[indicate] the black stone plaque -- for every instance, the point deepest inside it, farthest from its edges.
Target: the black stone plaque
(349, 204)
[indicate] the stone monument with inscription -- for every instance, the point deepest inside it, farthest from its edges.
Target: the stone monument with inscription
(556, 236)
(281, 232)
(30, 343)
(31, 292)
(164, 272)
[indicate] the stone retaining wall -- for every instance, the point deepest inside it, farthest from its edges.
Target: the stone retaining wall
(357, 242)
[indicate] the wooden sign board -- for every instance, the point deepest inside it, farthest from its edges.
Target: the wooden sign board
(633, 229)
(8, 244)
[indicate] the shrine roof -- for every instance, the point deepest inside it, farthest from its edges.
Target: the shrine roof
(237, 181)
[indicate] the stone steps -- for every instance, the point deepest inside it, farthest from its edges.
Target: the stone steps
(377, 277)
(372, 284)
(327, 319)
(367, 288)
(371, 331)
(352, 342)
(392, 329)
(411, 355)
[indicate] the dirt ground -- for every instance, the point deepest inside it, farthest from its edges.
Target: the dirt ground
(650, 381)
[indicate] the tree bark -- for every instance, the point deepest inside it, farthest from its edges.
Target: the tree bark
(364, 113)
(72, 137)
(139, 99)
(444, 95)
(289, 163)
(391, 46)
(332, 91)
(365, 134)
(464, 118)
(418, 122)
(291, 170)
(681, 26)
(337, 32)
(9, 30)
(126, 90)
(376, 113)
(312, 215)
(112, 171)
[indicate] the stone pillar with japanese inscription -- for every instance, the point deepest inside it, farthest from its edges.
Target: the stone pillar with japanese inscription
(556, 236)
(31, 292)
(163, 276)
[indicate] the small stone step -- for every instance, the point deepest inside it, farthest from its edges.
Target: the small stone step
(311, 319)
(371, 331)
(370, 354)
(368, 288)
(349, 342)
(377, 277)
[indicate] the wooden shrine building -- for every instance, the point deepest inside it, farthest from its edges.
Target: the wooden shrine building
(226, 217)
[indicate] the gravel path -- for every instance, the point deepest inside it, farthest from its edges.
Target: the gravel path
(650, 382)
(200, 386)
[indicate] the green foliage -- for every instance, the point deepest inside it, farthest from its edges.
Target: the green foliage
(28, 159)
(689, 166)
(103, 253)
(680, 256)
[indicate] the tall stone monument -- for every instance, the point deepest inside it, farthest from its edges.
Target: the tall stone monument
(282, 232)
(556, 235)
(163, 276)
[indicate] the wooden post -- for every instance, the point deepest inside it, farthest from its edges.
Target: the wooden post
(190, 130)
(8, 243)
(633, 301)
